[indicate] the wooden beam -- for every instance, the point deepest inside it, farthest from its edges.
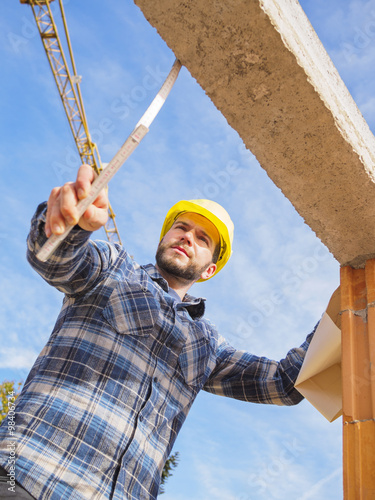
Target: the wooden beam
(358, 376)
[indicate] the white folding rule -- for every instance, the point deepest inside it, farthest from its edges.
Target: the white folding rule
(117, 161)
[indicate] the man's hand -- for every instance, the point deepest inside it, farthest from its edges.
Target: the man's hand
(63, 200)
(334, 307)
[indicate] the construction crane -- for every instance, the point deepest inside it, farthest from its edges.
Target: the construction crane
(68, 82)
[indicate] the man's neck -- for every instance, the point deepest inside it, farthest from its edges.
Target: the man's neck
(179, 285)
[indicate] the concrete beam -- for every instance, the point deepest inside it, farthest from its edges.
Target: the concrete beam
(264, 68)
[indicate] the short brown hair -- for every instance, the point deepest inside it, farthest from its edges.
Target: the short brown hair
(216, 254)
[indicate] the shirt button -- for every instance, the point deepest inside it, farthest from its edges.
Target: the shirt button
(156, 380)
(144, 289)
(140, 418)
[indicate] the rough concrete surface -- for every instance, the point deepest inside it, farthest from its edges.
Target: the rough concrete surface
(264, 68)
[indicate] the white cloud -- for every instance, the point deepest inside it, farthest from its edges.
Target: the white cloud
(28, 310)
(316, 490)
(17, 357)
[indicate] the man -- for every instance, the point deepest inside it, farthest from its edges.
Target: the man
(107, 396)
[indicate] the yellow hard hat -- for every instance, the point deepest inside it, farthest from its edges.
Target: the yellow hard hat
(216, 214)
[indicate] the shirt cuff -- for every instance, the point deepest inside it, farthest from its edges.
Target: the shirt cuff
(37, 236)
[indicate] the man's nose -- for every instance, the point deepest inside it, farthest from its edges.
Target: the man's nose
(188, 237)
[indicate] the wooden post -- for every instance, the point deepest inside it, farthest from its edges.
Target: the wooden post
(358, 375)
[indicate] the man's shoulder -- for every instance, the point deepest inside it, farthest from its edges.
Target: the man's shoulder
(117, 263)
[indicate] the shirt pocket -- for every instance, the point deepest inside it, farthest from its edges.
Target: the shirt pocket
(131, 309)
(197, 358)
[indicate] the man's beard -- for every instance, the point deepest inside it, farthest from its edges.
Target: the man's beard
(190, 272)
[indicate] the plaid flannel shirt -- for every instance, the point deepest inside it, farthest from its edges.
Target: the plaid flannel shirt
(108, 394)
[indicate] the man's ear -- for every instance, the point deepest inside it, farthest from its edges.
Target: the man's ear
(210, 271)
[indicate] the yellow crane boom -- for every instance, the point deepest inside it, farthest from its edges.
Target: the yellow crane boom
(67, 82)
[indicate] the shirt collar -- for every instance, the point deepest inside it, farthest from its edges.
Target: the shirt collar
(195, 306)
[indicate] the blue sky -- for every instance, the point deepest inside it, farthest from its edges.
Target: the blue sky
(279, 280)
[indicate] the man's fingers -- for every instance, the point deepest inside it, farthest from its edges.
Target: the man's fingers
(52, 200)
(101, 200)
(63, 201)
(334, 307)
(56, 222)
(85, 177)
(94, 218)
(61, 209)
(68, 203)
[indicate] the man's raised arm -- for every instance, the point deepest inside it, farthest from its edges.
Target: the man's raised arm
(76, 263)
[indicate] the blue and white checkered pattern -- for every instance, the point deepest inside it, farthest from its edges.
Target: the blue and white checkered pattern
(108, 394)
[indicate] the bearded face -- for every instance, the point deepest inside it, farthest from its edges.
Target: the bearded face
(173, 262)
(187, 249)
